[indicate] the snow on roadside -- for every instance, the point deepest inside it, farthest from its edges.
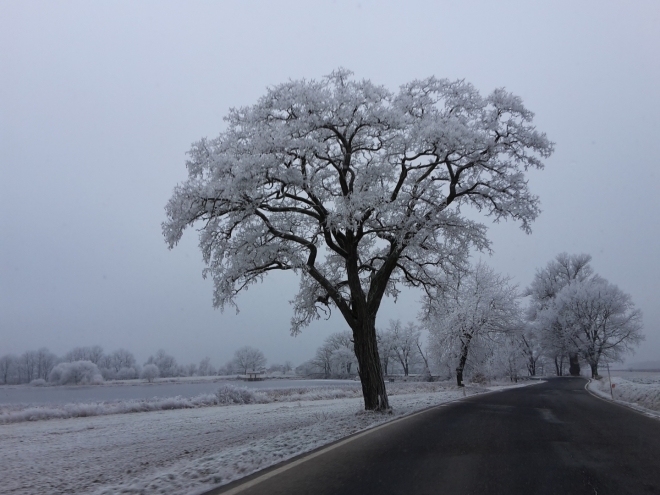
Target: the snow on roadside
(642, 396)
(185, 450)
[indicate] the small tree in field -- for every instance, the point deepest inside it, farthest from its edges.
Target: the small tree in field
(248, 358)
(404, 343)
(150, 372)
(358, 190)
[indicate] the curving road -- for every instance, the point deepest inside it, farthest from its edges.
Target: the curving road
(552, 438)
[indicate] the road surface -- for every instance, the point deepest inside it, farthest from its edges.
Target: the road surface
(552, 438)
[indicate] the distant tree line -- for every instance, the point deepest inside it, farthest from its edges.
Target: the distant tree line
(93, 365)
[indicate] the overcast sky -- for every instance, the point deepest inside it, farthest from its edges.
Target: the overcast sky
(99, 101)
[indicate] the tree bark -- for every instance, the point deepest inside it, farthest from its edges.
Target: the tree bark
(574, 367)
(461, 363)
(371, 373)
(594, 369)
(531, 366)
(559, 365)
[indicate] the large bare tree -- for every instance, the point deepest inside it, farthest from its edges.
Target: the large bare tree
(358, 190)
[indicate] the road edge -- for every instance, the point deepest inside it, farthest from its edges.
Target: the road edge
(262, 475)
(628, 405)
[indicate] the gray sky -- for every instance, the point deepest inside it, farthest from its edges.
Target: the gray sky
(99, 101)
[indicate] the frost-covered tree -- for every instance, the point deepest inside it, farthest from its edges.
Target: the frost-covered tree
(404, 343)
(358, 190)
(471, 311)
(92, 353)
(508, 357)
(385, 341)
(9, 369)
(336, 356)
(343, 352)
(322, 360)
(76, 372)
(531, 347)
(228, 369)
(564, 270)
(596, 319)
(150, 372)
(46, 361)
(343, 361)
(426, 371)
(191, 370)
(27, 366)
(167, 365)
(248, 358)
(122, 358)
(206, 368)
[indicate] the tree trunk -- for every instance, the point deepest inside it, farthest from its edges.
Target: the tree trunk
(574, 367)
(461, 364)
(531, 366)
(594, 369)
(371, 373)
(559, 365)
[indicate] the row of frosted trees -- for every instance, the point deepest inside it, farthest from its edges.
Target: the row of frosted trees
(477, 323)
(91, 364)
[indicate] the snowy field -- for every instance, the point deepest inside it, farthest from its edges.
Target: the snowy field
(189, 451)
(641, 389)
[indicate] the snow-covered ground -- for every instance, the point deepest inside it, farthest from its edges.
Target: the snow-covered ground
(188, 451)
(639, 389)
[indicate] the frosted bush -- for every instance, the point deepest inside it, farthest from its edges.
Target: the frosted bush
(228, 394)
(78, 372)
(39, 382)
(479, 378)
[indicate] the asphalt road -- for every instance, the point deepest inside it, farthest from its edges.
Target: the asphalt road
(552, 438)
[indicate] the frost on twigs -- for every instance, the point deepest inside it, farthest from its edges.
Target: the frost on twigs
(357, 189)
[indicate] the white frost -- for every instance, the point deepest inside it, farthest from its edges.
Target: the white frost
(639, 390)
